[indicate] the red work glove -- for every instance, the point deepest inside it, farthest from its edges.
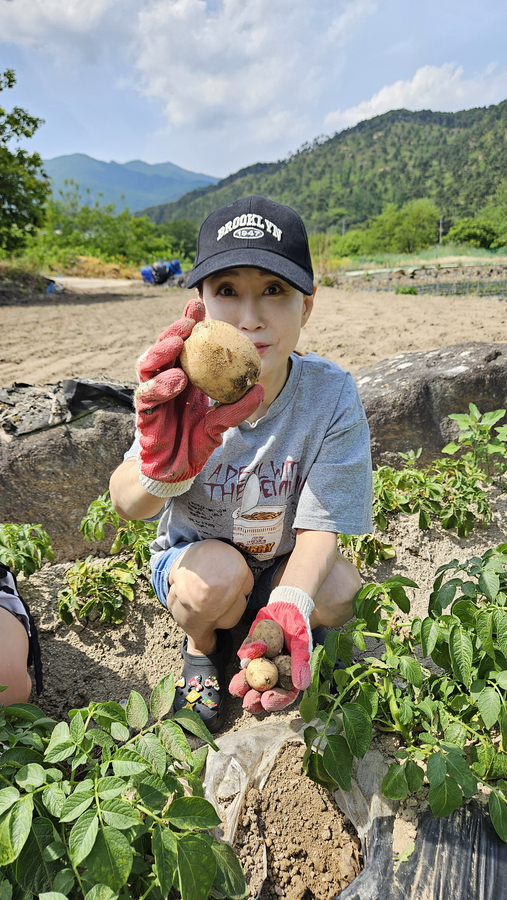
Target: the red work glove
(291, 607)
(178, 430)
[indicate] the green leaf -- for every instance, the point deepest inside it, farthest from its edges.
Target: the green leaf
(77, 728)
(308, 707)
(229, 878)
(165, 852)
(394, 783)
(162, 697)
(137, 711)
(489, 704)
(8, 796)
(445, 797)
(15, 826)
(82, 836)
(153, 792)
(357, 727)
(458, 768)
(120, 814)
(498, 812)
(54, 850)
(337, 760)
(429, 636)
(484, 625)
(110, 787)
(173, 739)
(53, 799)
(150, 748)
(367, 697)
(76, 804)
(128, 762)
(400, 598)
(196, 867)
(436, 768)
(33, 872)
(316, 771)
(53, 895)
(500, 623)
(64, 881)
(414, 775)
(189, 720)
(101, 892)
(192, 812)
(411, 671)
(489, 584)
(461, 651)
(110, 860)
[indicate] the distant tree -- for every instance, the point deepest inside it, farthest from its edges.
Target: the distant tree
(405, 230)
(474, 232)
(24, 186)
(182, 236)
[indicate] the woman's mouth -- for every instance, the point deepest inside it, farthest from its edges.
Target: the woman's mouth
(261, 348)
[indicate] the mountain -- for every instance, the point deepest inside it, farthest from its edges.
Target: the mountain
(456, 159)
(141, 184)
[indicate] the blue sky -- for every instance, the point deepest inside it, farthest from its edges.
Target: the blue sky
(215, 85)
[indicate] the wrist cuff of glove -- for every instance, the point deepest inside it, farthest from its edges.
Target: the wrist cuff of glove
(164, 488)
(299, 598)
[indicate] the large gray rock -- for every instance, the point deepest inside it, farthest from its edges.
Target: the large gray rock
(50, 477)
(407, 398)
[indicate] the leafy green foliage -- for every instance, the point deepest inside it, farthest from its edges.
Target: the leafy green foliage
(475, 232)
(108, 804)
(77, 228)
(101, 589)
(487, 451)
(23, 186)
(24, 547)
(134, 536)
(451, 159)
(448, 722)
(448, 490)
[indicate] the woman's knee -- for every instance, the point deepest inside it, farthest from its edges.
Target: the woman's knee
(209, 578)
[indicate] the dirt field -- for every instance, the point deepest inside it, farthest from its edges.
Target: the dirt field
(46, 339)
(84, 335)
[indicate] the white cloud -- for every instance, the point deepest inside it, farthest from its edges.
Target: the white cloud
(440, 88)
(255, 65)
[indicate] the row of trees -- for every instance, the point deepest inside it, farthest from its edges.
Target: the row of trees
(52, 231)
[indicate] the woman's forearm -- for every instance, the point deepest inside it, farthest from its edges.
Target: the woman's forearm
(129, 498)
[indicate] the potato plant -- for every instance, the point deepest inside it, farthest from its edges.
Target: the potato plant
(452, 725)
(24, 548)
(109, 806)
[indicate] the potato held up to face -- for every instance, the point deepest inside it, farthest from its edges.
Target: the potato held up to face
(220, 361)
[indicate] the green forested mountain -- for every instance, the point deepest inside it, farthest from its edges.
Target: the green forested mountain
(455, 159)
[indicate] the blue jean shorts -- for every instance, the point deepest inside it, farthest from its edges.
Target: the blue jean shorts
(257, 598)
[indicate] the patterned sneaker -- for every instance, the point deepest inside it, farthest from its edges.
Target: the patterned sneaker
(202, 685)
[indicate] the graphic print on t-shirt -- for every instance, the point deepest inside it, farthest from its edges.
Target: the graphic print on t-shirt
(257, 529)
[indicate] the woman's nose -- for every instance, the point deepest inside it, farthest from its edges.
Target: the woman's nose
(250, 316)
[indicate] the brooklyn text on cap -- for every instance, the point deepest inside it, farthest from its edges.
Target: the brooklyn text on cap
(258, 233)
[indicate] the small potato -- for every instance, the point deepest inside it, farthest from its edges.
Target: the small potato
(272, 633)
(261, 674)
(283, 664)
(220, 360)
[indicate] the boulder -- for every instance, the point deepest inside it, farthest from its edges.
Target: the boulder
(50, 477)
(408, 397)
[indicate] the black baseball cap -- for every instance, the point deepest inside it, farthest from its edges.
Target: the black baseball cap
(258, 233)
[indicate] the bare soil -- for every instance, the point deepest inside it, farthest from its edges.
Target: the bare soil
(46, 339)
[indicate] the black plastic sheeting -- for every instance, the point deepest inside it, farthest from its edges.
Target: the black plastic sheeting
(459, 857)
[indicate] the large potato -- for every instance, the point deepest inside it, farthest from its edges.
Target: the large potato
(272, 634)
(261, 674)
(220, 361)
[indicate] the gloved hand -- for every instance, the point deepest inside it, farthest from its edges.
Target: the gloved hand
(178, 430)
(291, 607)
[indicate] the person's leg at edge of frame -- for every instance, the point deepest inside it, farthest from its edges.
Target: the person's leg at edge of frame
(13, 656)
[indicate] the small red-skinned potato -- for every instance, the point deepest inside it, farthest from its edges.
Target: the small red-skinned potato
(261, 674)
(272, 634)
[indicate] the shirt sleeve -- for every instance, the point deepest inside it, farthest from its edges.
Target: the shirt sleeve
(337, 494)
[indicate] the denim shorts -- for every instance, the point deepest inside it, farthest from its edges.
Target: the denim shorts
(257, 598)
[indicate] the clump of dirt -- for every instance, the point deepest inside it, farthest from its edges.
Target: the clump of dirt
(18, 283)
(294, 829)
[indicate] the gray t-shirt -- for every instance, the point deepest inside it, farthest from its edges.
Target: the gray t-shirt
(305, 464)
